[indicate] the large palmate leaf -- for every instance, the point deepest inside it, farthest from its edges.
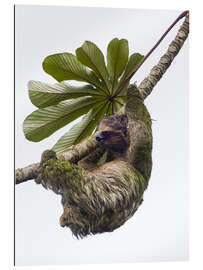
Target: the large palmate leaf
(117, 58)
(119, 102)
(110, 110)
(133, 62)
(61, 103)
(91, 56)
(43, 122)
(82, 129)
(65, 66)
(43, 95)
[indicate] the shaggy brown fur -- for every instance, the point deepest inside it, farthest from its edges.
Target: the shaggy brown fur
(112, 135)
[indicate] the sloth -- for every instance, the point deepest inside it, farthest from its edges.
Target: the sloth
(102, 179)
(101, 192)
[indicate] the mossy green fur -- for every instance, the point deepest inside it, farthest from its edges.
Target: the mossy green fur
(103, 199)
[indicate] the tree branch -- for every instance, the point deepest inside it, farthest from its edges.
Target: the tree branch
(147, 85)
(27, 173)
(73, 154)
(126, 81)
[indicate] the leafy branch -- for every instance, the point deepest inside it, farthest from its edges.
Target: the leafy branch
(102, 197)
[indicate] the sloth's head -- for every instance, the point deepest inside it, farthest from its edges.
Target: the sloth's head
(113, 133)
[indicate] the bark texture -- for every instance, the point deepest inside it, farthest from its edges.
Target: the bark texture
(27, 173)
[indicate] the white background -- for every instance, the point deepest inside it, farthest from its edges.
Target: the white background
(159, 230)
(196, 132)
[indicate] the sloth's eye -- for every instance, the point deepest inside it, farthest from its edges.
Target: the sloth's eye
(106, 134)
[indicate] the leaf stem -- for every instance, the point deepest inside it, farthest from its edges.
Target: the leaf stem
(183, 14)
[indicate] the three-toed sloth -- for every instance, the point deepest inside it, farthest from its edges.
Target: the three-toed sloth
(98, 198)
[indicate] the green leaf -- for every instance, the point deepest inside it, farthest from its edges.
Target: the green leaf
(91, 56)
(82, 129)
(65, 66)
(43, 95)
(133, 62)
(109, 109)
(43, 122)
(119, 103)
(117, 58)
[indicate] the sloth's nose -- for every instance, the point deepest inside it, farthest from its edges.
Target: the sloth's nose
(99, 138)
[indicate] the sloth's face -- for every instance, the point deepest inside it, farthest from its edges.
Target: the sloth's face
(111, 139)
